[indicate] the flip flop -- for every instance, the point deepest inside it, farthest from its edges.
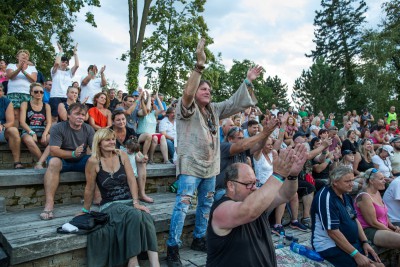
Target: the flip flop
(18, 165)
(46, 215)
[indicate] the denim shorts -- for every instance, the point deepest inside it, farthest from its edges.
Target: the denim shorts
(76, 166)
(54, 102)
(3, 137)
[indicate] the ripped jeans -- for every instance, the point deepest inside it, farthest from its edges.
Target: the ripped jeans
(205, 196)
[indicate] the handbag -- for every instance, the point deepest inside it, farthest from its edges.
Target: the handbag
(87, 222)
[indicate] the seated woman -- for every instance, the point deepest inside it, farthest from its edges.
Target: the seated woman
(350, 142)
(99, 114)
(35, 120)
(147, 124)
(337, 234)
(291, 129)
(373, 213)
(348, 161)
(382, 162)
(379, 137)
(363, 157)
(130, 229)
(72, 96)
(315, 126)
(322, 164)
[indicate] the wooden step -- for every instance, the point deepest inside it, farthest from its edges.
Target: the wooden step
(26, 238)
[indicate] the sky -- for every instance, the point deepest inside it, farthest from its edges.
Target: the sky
(273, 34)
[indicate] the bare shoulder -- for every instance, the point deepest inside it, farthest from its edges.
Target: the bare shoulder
(92, 161)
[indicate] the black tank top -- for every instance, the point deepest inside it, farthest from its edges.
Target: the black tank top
(113, 186)
(248, 245)
(36, 119)
(364, 165)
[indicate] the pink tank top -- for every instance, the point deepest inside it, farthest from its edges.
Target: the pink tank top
(380, 211)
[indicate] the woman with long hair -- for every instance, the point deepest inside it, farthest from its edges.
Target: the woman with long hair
(99, 114)
(372, 212)
(35, 120)
(382, 161)
(315, 126)
(130, 229)
(363, 156)
(291, 129)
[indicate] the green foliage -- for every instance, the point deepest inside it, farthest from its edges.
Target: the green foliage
(32, 24)
(273, 92)
(218, 76)
(168, 54)
(338, 39)
(319, 88)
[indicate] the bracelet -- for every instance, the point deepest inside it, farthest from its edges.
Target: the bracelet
(281, 130)
(324, 152)
(73, 154)
(85, 210)
(32, 133)
(292, 178)
(248, 83)
(135, 202)
(24, 72)
(365, 242)
(353, 253)
(278, 176)
(199, 69)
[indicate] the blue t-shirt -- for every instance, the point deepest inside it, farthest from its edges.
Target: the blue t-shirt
(4, 102)
(46, 97)
(330, 212)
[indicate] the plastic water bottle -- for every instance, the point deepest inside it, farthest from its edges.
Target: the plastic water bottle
(303, 250)
(281, 240)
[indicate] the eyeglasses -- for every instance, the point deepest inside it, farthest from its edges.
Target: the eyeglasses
(372, 171)
(248, 185)
(38, 91)
(233, 130)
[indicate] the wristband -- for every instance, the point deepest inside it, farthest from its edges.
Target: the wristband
(31, 133)
(199, 69)
(278, 177)
(292, 178)
(328, 161)
(324, 152)
(281, 130)
(85, 210)
(353, 253)
(73, 154)
(248, 83)
(365, 242)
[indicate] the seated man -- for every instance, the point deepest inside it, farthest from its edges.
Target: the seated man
(252, 129)
(337, 234)
(68, 145)
(167, 128)
(226, 125)
(392, 200)
(238, 232)
(8, 133)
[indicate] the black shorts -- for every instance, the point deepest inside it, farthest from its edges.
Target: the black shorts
(305, 188)
(54, 102)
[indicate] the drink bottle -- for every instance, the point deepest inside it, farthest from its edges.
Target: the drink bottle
(303, 250)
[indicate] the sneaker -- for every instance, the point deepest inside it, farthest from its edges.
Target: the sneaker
(298, 225)
(173, 258)
(199, 244)
(306, 222)
(277, 229)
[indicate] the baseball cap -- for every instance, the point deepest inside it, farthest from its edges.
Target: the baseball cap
(347, 152)
(136, 93)
(388, 149)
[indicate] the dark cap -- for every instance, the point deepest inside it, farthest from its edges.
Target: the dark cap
(297, 134)
(347, 152)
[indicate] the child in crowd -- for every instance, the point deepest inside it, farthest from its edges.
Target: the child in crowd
(132, 147)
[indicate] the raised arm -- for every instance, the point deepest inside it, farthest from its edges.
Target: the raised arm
(103, 76)
(57, 62)
(194, 79)
(76, 59)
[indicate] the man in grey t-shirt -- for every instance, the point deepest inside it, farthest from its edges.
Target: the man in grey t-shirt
(68, 144)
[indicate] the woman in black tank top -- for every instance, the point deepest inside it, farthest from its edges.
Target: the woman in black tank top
(111, 170)
(35, 120)
(363, 157)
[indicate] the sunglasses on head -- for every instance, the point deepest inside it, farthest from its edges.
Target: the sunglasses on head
(38, 91)
(372, 171)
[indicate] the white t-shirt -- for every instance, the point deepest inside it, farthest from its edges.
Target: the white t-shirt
(20, 84)
(263, 168)
(395, 160)
(313, 127)
(274, 111)
(385, 166)
(392, 200)
(168, 127)
(93, 87)
(61, 80)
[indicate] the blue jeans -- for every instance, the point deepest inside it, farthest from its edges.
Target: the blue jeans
(205, 196)
(171, 148)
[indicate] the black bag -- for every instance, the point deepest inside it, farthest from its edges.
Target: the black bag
(87, 222)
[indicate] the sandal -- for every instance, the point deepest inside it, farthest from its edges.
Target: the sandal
(46, 215)
(18, 165)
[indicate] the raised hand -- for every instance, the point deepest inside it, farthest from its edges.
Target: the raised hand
(270, 126)
(59, 47)
(102, 69)
(76, 48)
(201, 55)
(253, 73)
(300, 157)
(282, 163)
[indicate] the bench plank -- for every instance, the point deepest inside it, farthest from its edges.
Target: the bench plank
(35, 177)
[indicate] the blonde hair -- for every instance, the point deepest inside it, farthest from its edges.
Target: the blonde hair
(24, 51)
(100, 135)
(314, 121)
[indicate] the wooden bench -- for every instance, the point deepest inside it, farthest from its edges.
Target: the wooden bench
(26, 238)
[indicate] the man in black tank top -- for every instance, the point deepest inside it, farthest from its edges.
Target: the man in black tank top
(238, 232)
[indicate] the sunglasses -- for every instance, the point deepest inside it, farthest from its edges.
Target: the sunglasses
(211, 126)
(233, 130)
(38, 91)
(372, 171)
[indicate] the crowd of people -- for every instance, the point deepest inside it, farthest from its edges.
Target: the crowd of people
(246, 164)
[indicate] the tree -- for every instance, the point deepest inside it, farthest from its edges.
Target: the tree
(338, 39)
(274, 92)
(136, 36)
(319, 88)
(32, 25)
(168, 53)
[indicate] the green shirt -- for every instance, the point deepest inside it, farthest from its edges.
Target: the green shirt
(303, 113)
